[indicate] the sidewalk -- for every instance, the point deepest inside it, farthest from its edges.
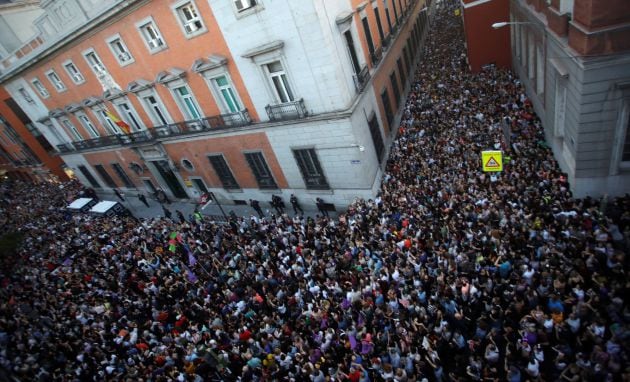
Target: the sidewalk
(139, 210)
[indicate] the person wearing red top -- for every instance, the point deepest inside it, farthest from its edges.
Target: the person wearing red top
(245, 334)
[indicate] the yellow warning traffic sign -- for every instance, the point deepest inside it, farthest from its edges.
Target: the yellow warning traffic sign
(492, 160)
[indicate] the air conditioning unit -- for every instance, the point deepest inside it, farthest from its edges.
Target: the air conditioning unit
(192, 26)
(124, 56)
(155, 43)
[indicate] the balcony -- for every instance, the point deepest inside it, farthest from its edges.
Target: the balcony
(218, 122)
(287, 111)
(223, 121)
(361, 79)
(387, 40)
(65, 148)
(136, 137)
(376, 56)
(110, 140)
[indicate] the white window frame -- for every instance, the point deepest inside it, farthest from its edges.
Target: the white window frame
(531, 55)
(87, 124)
(65, 122)
(150, 110)
(233, 94)
(41, 89)
(128, 113)
(56, 81)
(97, 67)
(211, 76)
(540, 70)
(26, 95)
(106, 122)
(190, 27)
(119, 50)
(73, 72)
(181, 101)
(274, 90)
(155, 43)
(622, 129)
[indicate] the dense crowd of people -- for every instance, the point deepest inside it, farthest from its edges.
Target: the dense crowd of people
(449, 274)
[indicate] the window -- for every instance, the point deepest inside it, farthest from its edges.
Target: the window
(406, 56)
(223, 171)
(155, 110)
(152, 37)
(88, 175)
(105, 176)
(107, 122)
(40, 88)
(388, 107)
(228, 97)
(540, 71)
(395, 10)
(27, 97)
(187, 102)
(189, 19)
(388, 17)
(377, 138)
(55, 81)
(122, 175)
(379, 25)
(625, 153)
(259, 167)
(279, 81)
(394, 81)
(311, 170)
(88, 126)
(356, 67)
(531, 56)
(95, 63)
(242, 5)
(187, 164)
(401, 72)
(120, 51)
(129, 115)
(74, 73)
(70, 127)
(368, 38)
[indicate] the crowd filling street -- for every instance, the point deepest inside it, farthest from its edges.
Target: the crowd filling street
(448, 274)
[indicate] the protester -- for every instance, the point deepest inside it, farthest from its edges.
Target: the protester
(450, 274)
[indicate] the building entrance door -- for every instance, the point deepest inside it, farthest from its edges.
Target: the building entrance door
(171, 179)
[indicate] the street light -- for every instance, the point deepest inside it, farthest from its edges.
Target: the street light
(505, 23)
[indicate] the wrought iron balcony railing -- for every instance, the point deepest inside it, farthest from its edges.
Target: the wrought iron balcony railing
(376, 56)
(287, 111)
(387, 40)
(361, 79)
(223, 121)
(65, 148)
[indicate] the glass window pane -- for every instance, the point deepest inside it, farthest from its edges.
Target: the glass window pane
(221, 81)
(274, 67)
(279, 89)
(285, 82)
(228, 100)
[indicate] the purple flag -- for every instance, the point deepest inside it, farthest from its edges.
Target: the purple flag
(191, 259)
(191, 276)
(67, 262)
(353, 341)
